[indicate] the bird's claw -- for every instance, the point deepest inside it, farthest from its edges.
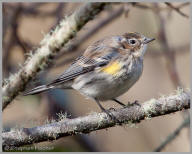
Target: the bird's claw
(136, 102)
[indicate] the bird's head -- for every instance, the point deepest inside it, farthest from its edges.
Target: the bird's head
(136, 43)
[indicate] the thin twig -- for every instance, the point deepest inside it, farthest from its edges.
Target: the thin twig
(149, 7)
(176, 9)
(32, 10)
(173, 135)
(12, 22)
(141, 6)
(50, 46)
(169, 54)
(128, 115)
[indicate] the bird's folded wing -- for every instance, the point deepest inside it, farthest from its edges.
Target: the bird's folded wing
(77, 69)
(85, 64)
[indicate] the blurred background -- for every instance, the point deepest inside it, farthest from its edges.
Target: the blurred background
(166, 66)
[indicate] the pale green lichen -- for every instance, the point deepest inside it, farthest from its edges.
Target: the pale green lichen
(30, 138)
(12, 76)
(47, 121)
(148, 108)
(29, 54)
(19, 135)
(188, 90)
(52, 120)
(6, 81)
(130, 124)
(179, 91)
(20, 65)
(101, 120)
(54, 135)
(61, 116)
(15, 128)
(5, 98)
(162, 96)
(148, 117)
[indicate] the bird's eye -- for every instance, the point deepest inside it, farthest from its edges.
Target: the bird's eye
(132, 41)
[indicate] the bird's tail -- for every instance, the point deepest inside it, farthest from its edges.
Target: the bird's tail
(37, 90)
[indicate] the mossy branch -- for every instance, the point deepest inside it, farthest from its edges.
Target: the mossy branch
(49, 47)
(128, 115)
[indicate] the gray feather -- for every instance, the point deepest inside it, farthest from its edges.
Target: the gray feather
(37, 90)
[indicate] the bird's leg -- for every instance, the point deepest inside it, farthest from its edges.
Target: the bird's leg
(119, 102)
(128, 104)
(107, 112)
(136, 103)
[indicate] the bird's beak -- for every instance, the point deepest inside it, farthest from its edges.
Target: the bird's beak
(147, 40)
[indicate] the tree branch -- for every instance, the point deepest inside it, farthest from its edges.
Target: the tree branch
(173, 135)
(128, 115)
(177, 9)
(49, 47)
(169, 54)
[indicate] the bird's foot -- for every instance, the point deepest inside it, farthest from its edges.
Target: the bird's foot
(136, 102)
(111, 109)
(113, 118)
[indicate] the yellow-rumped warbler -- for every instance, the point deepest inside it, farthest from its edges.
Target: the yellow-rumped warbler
(106, 70)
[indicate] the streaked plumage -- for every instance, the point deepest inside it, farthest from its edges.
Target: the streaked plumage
(106, 70)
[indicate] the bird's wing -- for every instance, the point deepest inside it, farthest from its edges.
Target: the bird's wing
(86, 63)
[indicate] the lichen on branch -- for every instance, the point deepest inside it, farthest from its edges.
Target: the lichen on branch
(128, 115)
(49, 47)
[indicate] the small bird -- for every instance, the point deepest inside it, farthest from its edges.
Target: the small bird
(106, 70)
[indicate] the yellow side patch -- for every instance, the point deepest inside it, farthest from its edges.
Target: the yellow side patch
(112, 69)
